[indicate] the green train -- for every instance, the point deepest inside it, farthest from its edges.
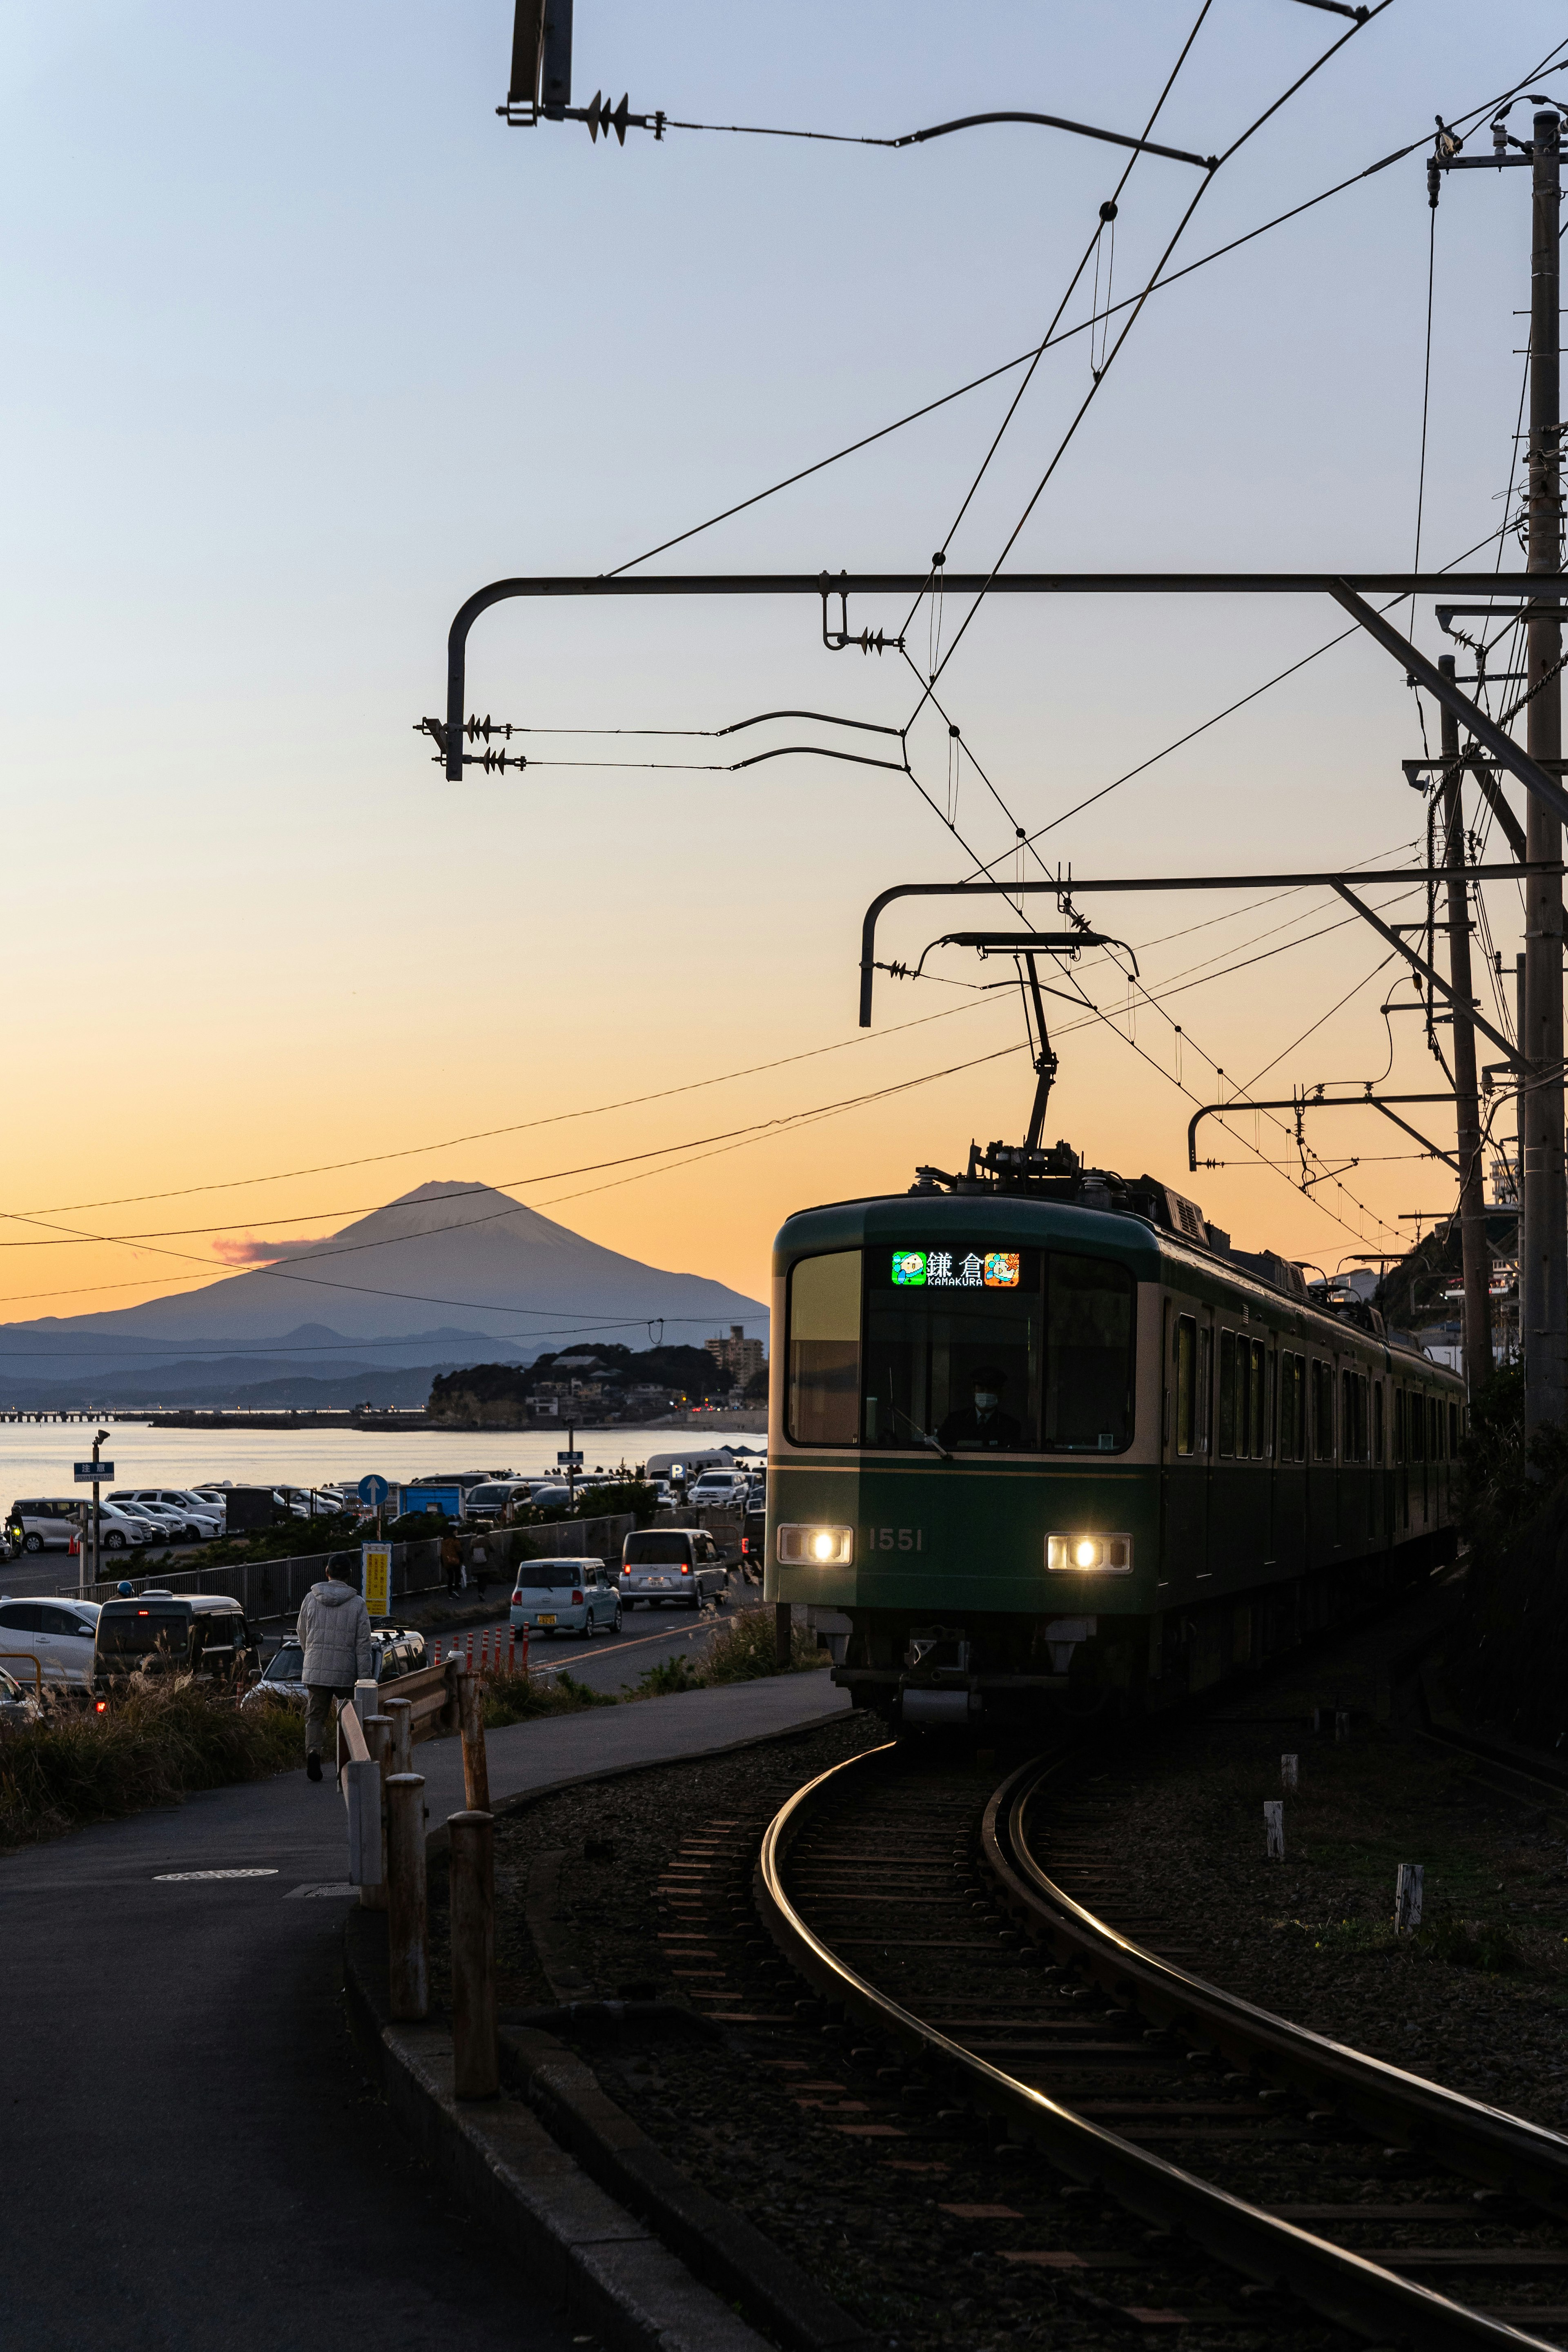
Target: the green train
(1040, 1438)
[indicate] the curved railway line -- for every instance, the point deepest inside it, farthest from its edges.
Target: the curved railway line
(976, 1943)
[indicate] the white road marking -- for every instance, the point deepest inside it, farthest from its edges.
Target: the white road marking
(179, 1877)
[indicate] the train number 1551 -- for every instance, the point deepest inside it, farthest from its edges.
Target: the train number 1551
(896, 1538)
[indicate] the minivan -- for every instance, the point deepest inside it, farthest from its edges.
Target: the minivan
(199, 1632)
(680, 1567)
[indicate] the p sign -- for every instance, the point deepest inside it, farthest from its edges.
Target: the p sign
(375, 1560)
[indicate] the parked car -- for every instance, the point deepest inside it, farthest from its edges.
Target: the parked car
(57, 1633)
(203, 1632)
(565, 1596)
(119, 1530)
(47, 1522)
(717, 1489)
(199, 1518)
(18, 1701)
(678, 1568)
(487, 1504)
(161, 1525)
(394, 1650)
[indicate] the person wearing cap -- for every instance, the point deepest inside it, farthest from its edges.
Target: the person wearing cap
(334, 1634)
(983, 1423)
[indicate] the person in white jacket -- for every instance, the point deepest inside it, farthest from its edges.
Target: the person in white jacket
(334, 1634)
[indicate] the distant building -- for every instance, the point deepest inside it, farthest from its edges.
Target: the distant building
(739, 1357)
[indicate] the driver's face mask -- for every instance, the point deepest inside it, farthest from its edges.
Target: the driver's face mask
(986, 1399)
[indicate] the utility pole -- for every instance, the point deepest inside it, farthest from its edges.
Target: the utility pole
(1476, 1255)
(1543, 1254)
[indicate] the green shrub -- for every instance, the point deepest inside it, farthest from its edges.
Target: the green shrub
(151, 1747)
(520, 1698)
(1469, 1944)
(740, 1652)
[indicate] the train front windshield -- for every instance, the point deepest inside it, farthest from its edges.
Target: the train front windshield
(976, 1349)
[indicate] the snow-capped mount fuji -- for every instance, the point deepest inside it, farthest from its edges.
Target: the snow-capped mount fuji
(444, 1264)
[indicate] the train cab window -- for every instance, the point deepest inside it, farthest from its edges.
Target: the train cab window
(955, 1343)
(1088, 1355)
(1186, 1385)
(1322, 1409)
(823, 1394)
(1227, 1393)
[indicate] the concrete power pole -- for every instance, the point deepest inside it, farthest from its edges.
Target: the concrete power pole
(1478, 1261)
(1543, 1254)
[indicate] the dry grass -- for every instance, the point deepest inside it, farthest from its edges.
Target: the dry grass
(151, 1747)
(740, 1652)
(522, 1698)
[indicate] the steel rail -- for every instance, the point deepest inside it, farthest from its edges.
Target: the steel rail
(1333, 2281)
(1484, 2143)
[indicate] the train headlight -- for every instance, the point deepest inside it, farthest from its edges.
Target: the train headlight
(814, 1547)
(1086, 1553)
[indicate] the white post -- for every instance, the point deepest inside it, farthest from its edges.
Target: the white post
(1274, 1828)
(1289, 1769)
(1342, 1724)
(1407, 1898)
(365, 1699)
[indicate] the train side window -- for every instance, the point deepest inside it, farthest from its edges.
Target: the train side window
(1377, 1410)
(1322, 1409)
(1416, 1425)
(1353, 1422)
(1453, 1432)
(1205, 1387)
(1186, 1376)
(823, 1394)
(1257, 1390)
(1227, 1392)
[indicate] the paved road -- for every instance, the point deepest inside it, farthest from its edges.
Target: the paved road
(192, 2160)
(614, 1662)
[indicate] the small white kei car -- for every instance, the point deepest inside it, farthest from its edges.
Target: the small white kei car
(565, 1596)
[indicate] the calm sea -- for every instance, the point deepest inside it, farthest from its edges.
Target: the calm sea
(36, 1458)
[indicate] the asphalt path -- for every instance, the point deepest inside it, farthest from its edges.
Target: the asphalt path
(193, 2160)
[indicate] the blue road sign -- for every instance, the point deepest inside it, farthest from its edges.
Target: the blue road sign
(374, 1492)
(94, 1471)
(572, 1461)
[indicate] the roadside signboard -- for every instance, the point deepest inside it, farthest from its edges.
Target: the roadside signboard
(572, 1461)
(374, 1492)
(376, 1579)
(447, 1500)
(91, 1472)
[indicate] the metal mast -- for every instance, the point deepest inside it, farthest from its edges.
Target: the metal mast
(1466, 1102)
(1543, 1252)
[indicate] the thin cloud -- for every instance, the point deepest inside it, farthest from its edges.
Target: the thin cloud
(254, 1253)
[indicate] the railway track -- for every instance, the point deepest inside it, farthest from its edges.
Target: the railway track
(971, 1936)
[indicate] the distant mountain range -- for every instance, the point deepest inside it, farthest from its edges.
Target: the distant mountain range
(518, 1282)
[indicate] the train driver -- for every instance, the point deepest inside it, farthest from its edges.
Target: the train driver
(983, 1423)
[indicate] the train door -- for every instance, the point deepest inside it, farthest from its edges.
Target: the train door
(1185, 1469)
(1290, 1465)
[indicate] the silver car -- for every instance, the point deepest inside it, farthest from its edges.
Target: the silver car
(564, 1596)
(678, 1568)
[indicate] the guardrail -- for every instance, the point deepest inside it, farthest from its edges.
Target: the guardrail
(28, 1659)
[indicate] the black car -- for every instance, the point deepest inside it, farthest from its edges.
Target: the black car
(754, 1540)
(197, 1632)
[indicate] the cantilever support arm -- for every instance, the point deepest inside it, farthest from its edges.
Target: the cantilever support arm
(1296, 1102)
(1424, 1141)
(1069, 884)
(1487, 732)
(1434, 979)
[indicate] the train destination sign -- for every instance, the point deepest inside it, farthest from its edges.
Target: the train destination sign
(916, 1269)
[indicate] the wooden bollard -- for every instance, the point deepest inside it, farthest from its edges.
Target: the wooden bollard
(475, 2057)
(400, 1715)
(409, 1918)
(378, 1740)
(1274, 1828)
(1290, 1771)
(1408, 1889)
(471, 1723)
